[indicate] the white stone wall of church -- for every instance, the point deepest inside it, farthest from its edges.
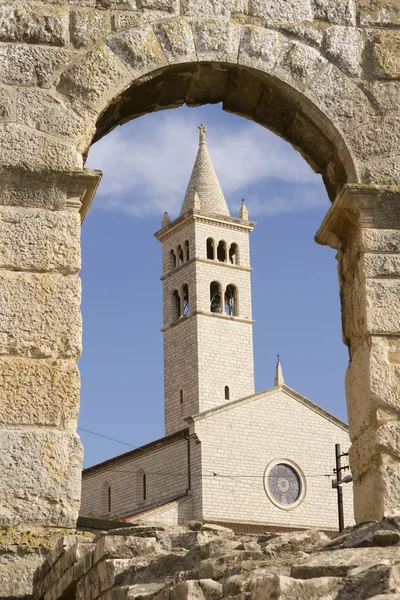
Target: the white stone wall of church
(180, 373)
(238, 444)
(225, 358)
(176, 513)
(166, 471)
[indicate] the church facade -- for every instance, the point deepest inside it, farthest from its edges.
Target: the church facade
(229, 455)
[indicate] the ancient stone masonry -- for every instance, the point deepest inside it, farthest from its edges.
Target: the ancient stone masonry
(209, 562)
(323, 74)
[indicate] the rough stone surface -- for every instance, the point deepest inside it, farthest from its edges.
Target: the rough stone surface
(281, 11)
(345, 47)
(40, 315)
(39, 393)
(54, 495)
(336, 12)
(44, 25)
(386, 53)
(39, 240)
(123, 568)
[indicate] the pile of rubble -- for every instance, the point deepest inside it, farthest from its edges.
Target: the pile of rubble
(209, 562)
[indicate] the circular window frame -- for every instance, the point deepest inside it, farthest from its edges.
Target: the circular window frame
(300, 475)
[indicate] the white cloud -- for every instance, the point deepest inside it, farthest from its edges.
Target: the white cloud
(147, 165)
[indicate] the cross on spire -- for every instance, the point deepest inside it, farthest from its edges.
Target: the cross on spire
(203, 131)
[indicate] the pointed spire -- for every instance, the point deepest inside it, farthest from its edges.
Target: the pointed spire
(243, 212)
(204, 183)
(166, 220)
(279, 380)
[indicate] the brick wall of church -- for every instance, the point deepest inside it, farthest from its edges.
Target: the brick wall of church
(239, 444)
(166, 469)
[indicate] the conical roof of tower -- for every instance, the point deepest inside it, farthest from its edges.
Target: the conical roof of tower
(204, 182)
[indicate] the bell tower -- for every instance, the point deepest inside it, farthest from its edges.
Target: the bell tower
(208, 326)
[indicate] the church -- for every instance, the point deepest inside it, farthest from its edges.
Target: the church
(229, 455)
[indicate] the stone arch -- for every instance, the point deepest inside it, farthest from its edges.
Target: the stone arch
(137, 71)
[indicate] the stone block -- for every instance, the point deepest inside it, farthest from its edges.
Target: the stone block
(39, 240)
(45, 111)
(380, 265)
(128, 5)
(139, 50)
(41, 25)
(386, 54)
(282, 11)
(31, 65)
(260, 48)
(345, 46)
(338, 97)
(89, 27)
(381, 171)
(339, 563)
(187, 590)
(39, 393)
(50, 189)
(336, 12)
(208, 9)
(41, 477)
(95, 80)
(212, 590)
(380, 240)
(33, 150)
(167, 6)
(120, 546)
(378, 12)
(176, 40)
(7, 104)
(299, 65)
(40, 315)
(378, 295)
(385, 94)
(216, 40)
(379, 137)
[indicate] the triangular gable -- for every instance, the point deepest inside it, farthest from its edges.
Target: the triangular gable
(269, 392)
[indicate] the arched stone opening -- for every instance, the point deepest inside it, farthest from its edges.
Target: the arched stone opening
(245, 92)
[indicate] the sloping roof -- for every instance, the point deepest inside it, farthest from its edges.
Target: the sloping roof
(287, 390)
(155, 445)
(204, 191)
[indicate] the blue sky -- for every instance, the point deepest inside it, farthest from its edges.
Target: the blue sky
(147, 165)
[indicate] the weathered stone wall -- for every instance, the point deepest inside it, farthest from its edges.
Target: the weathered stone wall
(324, 75)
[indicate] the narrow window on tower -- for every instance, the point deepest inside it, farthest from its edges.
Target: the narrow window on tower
(210, 249)
(180, 256)
(226, 392)
(109, 498)
(181, 396)
(187, 253)
(177, 305)
(185, 292)
(173, 259)
(234, 254)
(215, 297)
(230, 301)
(221, 251)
